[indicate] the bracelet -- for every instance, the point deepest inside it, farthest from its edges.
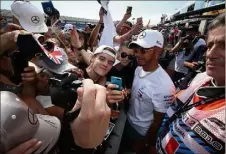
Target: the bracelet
(100, 23)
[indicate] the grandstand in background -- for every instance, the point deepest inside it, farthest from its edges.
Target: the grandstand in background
(79, 22)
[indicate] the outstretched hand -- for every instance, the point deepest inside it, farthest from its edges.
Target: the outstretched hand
(91, 125)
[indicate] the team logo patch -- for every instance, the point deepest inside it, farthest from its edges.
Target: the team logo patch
(35, 19)
(142, 35)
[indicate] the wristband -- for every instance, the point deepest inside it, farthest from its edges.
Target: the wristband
(101, 23)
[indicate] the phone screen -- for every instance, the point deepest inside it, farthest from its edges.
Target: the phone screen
(129, 9)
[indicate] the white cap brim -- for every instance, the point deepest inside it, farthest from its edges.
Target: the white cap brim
(34, 29)
(48, 132)
(141, 43)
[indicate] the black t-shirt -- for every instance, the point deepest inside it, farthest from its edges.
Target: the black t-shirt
(126, 73)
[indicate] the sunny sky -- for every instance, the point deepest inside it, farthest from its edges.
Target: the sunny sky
(89, 9)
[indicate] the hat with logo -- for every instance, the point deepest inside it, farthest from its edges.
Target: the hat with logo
(49, 9)
(148, 39)
(106, 49)
(30, 17)
(56, 62)
(19, 124)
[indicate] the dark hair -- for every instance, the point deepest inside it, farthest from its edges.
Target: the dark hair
(129, 23)
(217, 22)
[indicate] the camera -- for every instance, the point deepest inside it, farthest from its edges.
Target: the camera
(63, 90)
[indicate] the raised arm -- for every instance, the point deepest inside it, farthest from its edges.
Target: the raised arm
(120, 24)
(95, 32)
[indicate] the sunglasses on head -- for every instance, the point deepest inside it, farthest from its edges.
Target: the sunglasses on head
(124, 55)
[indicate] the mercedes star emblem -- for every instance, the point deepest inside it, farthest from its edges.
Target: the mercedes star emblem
(142, 35)
(35, 19)
(49, 10)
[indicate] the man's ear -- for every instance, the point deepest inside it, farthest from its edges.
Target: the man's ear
(158, 52)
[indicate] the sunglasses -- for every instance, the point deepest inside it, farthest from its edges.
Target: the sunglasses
(141, 50)
(124, 55)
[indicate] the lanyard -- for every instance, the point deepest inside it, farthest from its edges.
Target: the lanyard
(187, 107)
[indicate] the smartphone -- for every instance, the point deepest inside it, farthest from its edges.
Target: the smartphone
(28, 46)
(117, 81)
(19, 62)
(129, 9)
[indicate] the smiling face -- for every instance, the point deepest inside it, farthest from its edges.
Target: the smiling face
(125, 55)
(102, 63)
(145, 56)
(215, 56)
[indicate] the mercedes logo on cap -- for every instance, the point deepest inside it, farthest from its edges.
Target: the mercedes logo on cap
(142, 35)
(32, 117)
(35, 19)
(49, 10)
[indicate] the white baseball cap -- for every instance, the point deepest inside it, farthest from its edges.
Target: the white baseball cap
(106, 49)
(148, 39)
(30, 17)
(19, 124)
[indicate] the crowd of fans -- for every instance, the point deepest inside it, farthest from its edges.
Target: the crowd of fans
(58, 94)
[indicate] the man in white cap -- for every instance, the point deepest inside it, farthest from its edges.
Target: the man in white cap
(151, 93)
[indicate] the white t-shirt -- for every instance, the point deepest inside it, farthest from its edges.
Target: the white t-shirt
(45, 101)
(179, 62)
(154, 91)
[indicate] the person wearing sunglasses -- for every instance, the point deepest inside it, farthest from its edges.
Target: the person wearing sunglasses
(126, 66)
(152, 91)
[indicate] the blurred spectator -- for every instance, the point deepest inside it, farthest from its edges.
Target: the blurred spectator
(201, 107)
